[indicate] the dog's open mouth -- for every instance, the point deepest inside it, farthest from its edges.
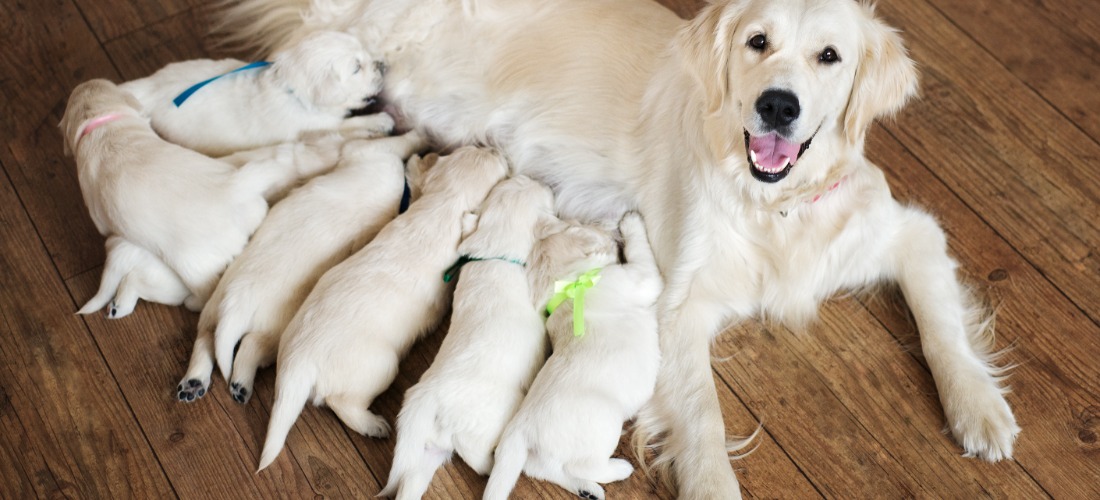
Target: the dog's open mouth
(771, 157)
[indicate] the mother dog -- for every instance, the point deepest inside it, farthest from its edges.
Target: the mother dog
(738, 134)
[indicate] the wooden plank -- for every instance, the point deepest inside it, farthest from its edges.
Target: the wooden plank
(77, 436)
(214, 438)
(18, 461)
(1056, 387)
(1005, 152)
(111, 20)
(47, 51)
(178, 38)
(1023, 36)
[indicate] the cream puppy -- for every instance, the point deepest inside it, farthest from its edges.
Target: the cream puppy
(494, 346)
(571, 420)
(343, 346)
(132, 273)
(310, 87)
(191, 212)
(314, 228)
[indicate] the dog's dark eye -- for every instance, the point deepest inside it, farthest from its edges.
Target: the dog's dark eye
(358, 68)
(758, 42)
(828, 56)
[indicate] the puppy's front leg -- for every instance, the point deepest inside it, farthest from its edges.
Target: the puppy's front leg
(197, 380)
(686, 403)
(951, 337)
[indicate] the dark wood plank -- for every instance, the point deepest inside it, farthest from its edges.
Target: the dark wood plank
(76, 431)
(111, 20)
(1006, 152)
(47, 51)
(178, 38)
(1023, 35)
(1056, 387)
(216, 439)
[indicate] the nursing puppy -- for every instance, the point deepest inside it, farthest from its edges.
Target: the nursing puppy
(191, 212)
(343, 346)
(312, 229)
(706, 127)
(495, 344)
(572, 418)
(132, 273)
(310, 87)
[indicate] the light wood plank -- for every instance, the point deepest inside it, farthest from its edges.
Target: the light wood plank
(1023, 35)
(1005, 152)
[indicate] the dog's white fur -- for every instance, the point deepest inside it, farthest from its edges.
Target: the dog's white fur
(310, 231)
(618, 103)
(309, 88)
(571, 420)
(132, 273)
(494, 346)
(343, 346)
(191, 212)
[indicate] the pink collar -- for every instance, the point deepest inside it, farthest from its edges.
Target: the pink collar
(818, 196)
(96, 122)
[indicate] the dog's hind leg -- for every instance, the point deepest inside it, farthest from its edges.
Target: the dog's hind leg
(258, 349)
(197, 380)
(556, 473)
(126, 297)
(601, 471)
(352, 410)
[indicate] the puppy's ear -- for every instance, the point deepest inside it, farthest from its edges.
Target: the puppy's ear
(549, 225)
(885, 78)
(706, 43)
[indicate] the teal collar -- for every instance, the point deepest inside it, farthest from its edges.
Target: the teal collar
(452, 272)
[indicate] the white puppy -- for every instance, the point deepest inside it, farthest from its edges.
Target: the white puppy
(572, 418)
(343, 346)
(132, 273)
(191, 212)
(494, 346)
(310, 87)
(312, 229)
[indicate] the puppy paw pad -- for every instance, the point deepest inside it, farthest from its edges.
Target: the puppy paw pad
(190, 390)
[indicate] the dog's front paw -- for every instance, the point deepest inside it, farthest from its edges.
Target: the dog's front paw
(591, 495)
(117, 310)
(369, 126)
(240, 392)
(191, 389)
(983, 424)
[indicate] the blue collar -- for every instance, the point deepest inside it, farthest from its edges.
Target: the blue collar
(191, 90)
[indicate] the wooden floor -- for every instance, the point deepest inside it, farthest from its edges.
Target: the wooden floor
(1003, 146)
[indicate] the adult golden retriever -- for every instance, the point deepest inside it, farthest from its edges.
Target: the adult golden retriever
(739, 135)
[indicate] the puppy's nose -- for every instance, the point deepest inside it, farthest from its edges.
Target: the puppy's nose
(380, 67)
(778, 108)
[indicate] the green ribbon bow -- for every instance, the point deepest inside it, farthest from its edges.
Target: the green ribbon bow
(574, 290)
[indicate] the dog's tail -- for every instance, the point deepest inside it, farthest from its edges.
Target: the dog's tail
(258, 26)
(233, 323)
(414, 462)
(293, 385)
(509, 459)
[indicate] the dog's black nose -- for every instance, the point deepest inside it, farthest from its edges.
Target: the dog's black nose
(778, 108)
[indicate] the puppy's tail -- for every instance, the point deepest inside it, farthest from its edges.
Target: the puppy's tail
(414, 462)
(509, 459)
(293, 384)
(232, 325)
(119, 263)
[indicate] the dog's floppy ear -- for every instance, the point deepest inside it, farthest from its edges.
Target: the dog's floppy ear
(706, 43)
(885, 78)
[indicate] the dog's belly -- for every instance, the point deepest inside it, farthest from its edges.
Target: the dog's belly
(564, 110)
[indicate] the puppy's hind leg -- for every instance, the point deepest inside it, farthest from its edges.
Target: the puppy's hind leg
(125, 299)
(197, 380)
(601, 471)
(258, 349)
(556, 473)
(352, 410)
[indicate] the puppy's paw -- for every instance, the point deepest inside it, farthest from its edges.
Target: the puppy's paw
(369, 126)
(191, 389)
(376, 427)
(117, 310)
(983, 424)
(241, 392)
(592, 491)
(618, 469)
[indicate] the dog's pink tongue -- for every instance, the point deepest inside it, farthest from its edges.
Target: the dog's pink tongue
(772, 151)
